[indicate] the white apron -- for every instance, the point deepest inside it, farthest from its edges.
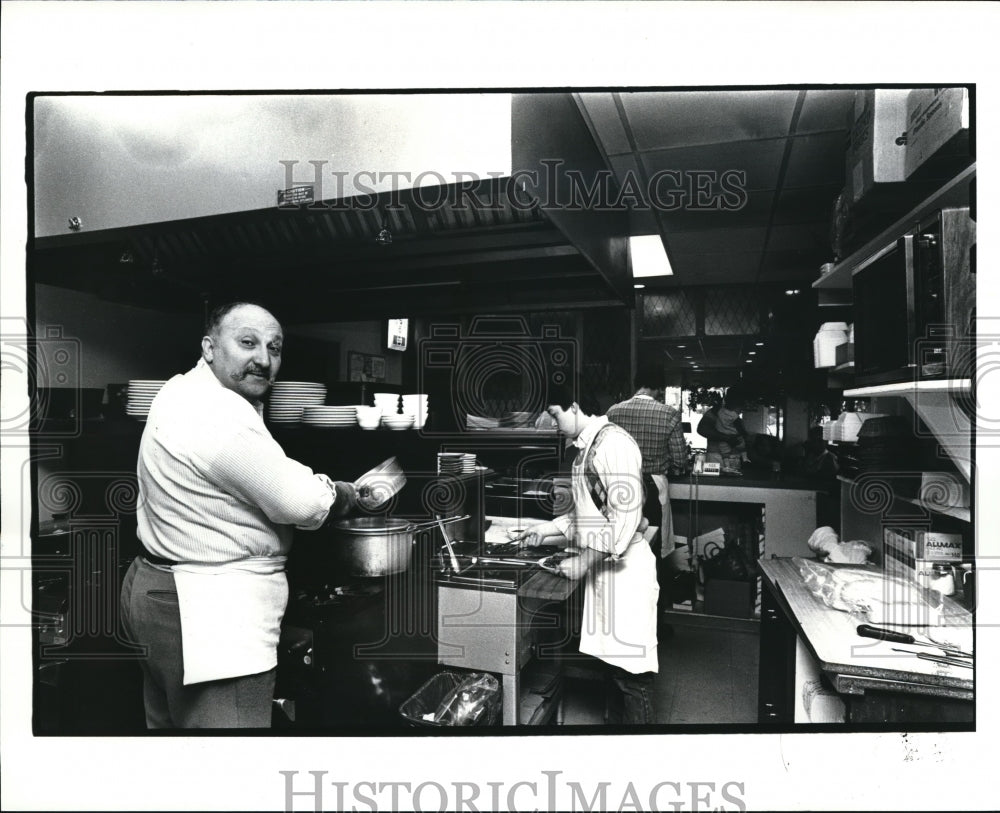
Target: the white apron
(230, 617)
(667, 521)
(619, 610)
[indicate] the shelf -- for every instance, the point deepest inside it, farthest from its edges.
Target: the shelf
(964, 514)
(907, 388)
(934, 402)
(953, 193)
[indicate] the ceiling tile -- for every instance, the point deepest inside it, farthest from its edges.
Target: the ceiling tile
(799, 237)
(817, 160)
(806, 204)
(760, 160)
(826, 110)
(698, 268)
(683, 118)
(600, 108)
(756, 212)
(704, 241)
(793, 265)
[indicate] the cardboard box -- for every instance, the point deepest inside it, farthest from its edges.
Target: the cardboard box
(876, 153)
(934, 117)
(729, 598)
(909, 553)
(844, 353)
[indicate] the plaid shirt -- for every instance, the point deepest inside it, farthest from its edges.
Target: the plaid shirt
(657, 429)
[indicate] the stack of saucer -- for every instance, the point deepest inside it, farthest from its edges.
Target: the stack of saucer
(331, 416)
(140, 397)
(456, 463)
(290, 398)
(388, 402)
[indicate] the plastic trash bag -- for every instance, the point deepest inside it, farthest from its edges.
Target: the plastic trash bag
(866, 592)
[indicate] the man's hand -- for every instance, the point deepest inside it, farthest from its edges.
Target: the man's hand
(345, 500)
(537, 534)
(576, 567)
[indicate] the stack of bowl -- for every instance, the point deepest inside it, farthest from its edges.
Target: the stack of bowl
(387, 402)
(397, 422)
(416, 405)
(369, 417)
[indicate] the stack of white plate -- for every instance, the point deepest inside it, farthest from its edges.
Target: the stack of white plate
(416, 405)
(331, 416)
(388, 402)
(397, 421)
(290, 398)
(140, 397)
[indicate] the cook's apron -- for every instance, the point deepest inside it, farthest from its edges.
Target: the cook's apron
(619, 610)
(667, 518)
(230, 616)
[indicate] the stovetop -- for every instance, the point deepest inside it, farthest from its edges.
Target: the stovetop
(492, 566)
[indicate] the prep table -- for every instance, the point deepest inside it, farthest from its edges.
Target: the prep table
(876, 683)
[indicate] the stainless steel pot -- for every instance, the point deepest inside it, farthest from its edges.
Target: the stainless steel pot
(378, 546)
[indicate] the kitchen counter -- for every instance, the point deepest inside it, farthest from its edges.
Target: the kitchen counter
(789, 505)
(752, 478)
(857, 667)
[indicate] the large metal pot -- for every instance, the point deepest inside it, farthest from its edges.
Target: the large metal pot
(378, 546)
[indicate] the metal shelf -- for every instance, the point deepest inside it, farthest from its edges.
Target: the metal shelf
(957, 512)
(906, 388)
(953, 193)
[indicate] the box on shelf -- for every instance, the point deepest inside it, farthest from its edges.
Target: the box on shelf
(934, 117)
(876, 152)
(844, 353)
(909, 552)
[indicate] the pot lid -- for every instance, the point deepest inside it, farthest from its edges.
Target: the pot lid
(371, 525)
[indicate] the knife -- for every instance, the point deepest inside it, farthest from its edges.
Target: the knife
(926, 656)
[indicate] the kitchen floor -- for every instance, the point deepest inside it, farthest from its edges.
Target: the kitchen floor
(708, 675)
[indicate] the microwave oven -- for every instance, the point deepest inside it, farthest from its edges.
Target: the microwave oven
(914, 304)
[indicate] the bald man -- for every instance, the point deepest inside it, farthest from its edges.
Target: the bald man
(218, 501)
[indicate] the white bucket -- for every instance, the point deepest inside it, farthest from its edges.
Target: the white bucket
(830, 336)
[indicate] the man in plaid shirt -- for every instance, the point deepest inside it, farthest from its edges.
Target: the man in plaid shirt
(656, 428)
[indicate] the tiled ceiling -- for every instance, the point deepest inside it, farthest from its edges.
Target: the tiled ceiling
(789, 143)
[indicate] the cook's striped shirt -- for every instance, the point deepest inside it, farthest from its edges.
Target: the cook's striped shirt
(656, 427)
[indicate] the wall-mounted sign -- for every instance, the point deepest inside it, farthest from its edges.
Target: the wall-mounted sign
(296, 196)
(365, 367)
(398, 330)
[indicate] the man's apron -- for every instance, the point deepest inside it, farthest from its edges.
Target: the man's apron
(619, 609)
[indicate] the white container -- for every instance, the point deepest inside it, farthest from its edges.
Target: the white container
(830, 336)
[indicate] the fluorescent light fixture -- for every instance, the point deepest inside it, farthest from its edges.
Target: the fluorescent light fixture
(648, 257)
(760, 344)
(638, 287)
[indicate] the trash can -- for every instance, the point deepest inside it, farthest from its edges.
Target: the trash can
(455, 699)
